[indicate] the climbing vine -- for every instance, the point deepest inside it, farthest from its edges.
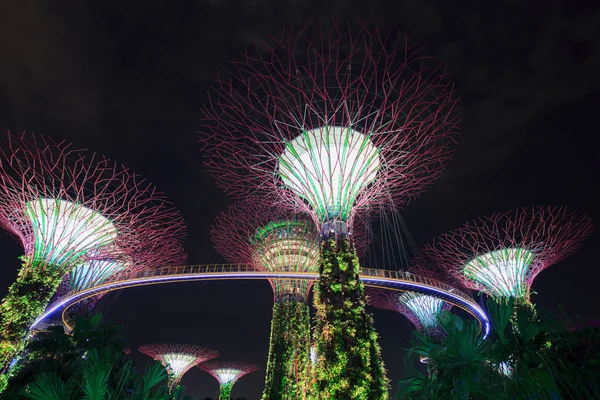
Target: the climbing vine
(288, 366)
(349, 365)
(225, 391)
(26, 300)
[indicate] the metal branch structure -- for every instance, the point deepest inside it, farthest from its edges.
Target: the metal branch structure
(178, 358)
(337, 121)
(67, 207)
(420, 309)
(258, 234)
(227, 373)
(502, 254)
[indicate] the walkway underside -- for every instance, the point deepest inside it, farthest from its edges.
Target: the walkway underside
(382, 279)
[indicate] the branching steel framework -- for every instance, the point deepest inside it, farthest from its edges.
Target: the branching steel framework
(502, 254)
(337, 122)
(256, 233)
(178, 358)
(66, 207)
(343, 119)
(227, 373)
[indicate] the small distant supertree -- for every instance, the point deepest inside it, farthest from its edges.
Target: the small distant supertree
(178, 358)
(502, 254)
(256, 233)
(65, 206)
(227, 374)
(338, 121)
(420, 309)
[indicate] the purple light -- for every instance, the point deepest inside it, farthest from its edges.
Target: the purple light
(377, 281)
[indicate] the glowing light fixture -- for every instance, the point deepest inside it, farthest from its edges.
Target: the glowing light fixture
(426, 308)
(286, 246)
(503, 272)
(65, 231)
(178, 359)
(94, 272)
(328, 166)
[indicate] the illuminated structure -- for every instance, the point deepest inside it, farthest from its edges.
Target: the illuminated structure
(337, 122)
(64, 207)
(177, 358)
(420, 309)
(255, 233)
(227, 374)
(156, 252)
(501, 255)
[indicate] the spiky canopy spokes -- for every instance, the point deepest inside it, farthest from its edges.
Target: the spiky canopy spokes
(270, 239)
(177, 358)
(420, 309)
(62, 203)
(344, 118)
(502, 254)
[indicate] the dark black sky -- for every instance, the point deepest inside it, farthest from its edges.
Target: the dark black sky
(126, 79)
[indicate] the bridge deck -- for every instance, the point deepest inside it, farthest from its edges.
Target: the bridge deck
(390, 280)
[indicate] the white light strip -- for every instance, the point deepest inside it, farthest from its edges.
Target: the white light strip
(262, 275)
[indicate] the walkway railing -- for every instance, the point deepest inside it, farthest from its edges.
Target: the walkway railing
(393, 280)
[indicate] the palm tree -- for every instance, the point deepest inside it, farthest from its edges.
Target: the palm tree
(526, 356)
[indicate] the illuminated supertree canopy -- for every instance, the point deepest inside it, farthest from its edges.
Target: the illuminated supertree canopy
(177, 358)
(65, 206)
(338, 122)
(502, 254)
(420, 309)
(254, 232)
(270, 239)
(227, 373)
(156, 251)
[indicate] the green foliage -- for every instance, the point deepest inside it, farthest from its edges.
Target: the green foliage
(89, 365)
(349, 360)
(288, 366)
(525, 357)
(225, 391)
(26, 300)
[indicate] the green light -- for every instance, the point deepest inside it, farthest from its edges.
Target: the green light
(502, 272)
(328, 167)
(65, 231)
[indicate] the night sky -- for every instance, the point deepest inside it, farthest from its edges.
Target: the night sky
(127, 79)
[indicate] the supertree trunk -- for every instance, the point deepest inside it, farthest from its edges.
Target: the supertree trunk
(27, 298)
(225, 391)
(288, 366)
(349, 360)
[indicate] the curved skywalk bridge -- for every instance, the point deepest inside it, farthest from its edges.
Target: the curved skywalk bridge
(378, 278)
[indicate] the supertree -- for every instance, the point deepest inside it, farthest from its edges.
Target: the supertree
(178, 358)
(227, 374)
(256, 233)
(420, 309)
(157, 251)
(502, 254)
(338, 121)
(65, 206)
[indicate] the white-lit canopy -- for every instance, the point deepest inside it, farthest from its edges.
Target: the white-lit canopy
(227, 375)
(328, 166)
(503, 273)
(64, 231)
(179, 364)
(426, 308)
(286, 246)
(94, 272)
